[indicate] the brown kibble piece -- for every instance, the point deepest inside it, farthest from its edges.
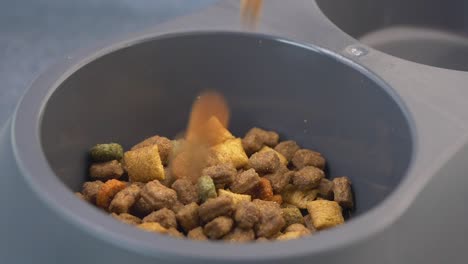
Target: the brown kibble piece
(305, 157)
(197, 234)
(264, 162)
(188, 217)
(280, 178)
(307, 178)
(325, 214)
(164, 147)
(220, 206)
(218, 227)
(186, 191)
(325, 188)
(271, 220)
(263, 190)
(239, 235)
(256, 138)
(106, 170)
(245, 182)
(177, 207)
(283, 160)
(342, 192)
(308, 223)
(107, 192)
(165, 217)
(90, 190)
(222, 174)
(287, 149)
(141, 208)
(173, 232)
(158, 196)
(127, 218)
(125, 199)
(246, 215)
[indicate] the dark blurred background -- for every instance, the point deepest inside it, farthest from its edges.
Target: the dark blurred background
(36, 33)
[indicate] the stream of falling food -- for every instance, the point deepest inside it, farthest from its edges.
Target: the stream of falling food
(193, 151)
(250, 13)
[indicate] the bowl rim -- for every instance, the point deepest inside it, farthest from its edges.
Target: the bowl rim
(31, 160)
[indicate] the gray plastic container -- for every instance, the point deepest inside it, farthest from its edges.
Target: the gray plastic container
(380, 120)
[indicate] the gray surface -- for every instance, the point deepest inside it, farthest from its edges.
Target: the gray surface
(431, 32)
(35, 34)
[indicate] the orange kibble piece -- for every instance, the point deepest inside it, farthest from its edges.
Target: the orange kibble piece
(107, 192)
(263, 190)
(277, 199)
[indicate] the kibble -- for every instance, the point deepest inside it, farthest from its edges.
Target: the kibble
(90, 190)
(245, 182)
(342, 192)
(246, 215)
(308, 178)
(239, 235)
(164, 147)
(158, 196)
(222, 174)
(271, 220)
(256, 138)
(264, 162)
(220, 206)
(206, 188)
(106, 152)
(218, 227)
(127, 218)
(106, 170)
(186, 191)
(280, 179)
(292, 216)
(252, 189)
(188, 217)
(107, 192)
(287, 149)
(305, 157)
(164, 217)
(125, 199)
(197, 234)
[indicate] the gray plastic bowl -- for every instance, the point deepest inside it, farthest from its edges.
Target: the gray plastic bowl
(146, 86)
(431, 32)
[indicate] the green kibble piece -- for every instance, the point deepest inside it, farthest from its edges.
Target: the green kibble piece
(292, 216)
(106, 152)
(206, 188)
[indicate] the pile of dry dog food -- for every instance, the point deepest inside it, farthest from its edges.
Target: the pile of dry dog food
(250, 189)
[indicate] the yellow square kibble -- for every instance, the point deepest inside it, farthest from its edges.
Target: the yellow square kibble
(290, 235)
(325, 214)
(236, 197)
(282, 159)
(231, 151)
(152, 227)
(144, 164)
